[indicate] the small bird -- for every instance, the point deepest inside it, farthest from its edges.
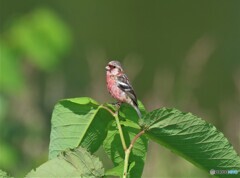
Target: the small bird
(119, 86)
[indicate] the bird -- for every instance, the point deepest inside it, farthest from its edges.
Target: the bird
(119, 87)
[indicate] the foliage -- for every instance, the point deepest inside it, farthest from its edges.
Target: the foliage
(81, 125)
(32, 44)
(192, 138)
(79, 121)
(113, 146)
(177, 55)
(70, 163)
(40, 37)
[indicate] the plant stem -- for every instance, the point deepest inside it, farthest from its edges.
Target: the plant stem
(109, 110)
(120, 131)
(115, 115)
(128, 151)
(125, 169)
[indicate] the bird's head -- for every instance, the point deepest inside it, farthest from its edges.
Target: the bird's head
(114, 67)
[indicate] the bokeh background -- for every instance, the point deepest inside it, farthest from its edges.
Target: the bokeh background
(182, 54)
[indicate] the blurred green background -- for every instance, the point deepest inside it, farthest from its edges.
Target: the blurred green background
(182, 54)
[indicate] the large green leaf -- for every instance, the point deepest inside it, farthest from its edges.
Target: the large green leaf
(71, 163)
(192, 138)
(78, 121)
(113, 146)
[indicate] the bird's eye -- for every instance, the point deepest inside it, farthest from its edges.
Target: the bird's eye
(114, 66)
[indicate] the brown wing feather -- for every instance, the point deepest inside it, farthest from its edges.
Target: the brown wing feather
(124, 85)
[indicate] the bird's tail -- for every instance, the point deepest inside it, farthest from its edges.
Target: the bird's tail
(138, 111)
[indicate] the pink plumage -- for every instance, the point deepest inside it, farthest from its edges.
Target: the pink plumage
(119, 86)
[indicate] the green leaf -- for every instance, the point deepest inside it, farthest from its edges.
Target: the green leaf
(127, 112)
(192, 138)
(78, 121)
(70, 163)
(118, 170)
(113, 146)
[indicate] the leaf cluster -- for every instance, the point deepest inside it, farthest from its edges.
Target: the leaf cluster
(80, 126)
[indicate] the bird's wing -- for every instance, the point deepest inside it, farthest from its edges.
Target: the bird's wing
(124, 85)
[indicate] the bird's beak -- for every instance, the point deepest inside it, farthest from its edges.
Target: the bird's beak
(107, 68)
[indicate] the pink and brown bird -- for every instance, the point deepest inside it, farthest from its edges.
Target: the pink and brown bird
(119, 86)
